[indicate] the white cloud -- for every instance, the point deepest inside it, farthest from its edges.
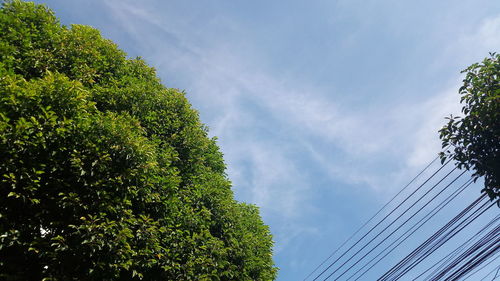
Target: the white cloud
(227, 87)
(425, 140)
(261, 170)
(469, 48)
(488, 35)
(220, 81)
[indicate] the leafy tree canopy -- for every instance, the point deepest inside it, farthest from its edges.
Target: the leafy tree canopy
(105, 174)
(474, 139)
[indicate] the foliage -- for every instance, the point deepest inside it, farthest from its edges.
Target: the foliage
(105, 174)
(475, 138)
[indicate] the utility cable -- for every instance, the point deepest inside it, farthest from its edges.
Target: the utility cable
(493, 270)
(440, 241)
(413, 229)
(477, 260)
(462, 258)
(495, 277)
(429, 240)
(399, 227)
(447, 259)
(387, 227)
(481, 268)
(486, 248)
(443, 240)
(369, 220)
(436, 241)
(360, 239)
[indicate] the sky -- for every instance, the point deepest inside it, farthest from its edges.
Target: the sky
(323, 109)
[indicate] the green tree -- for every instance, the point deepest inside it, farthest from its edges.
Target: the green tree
(105, 174)
(474, 139)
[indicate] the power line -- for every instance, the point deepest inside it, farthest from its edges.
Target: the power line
(483, 243)
(483, 246)
(413, 229)
(399, 227)
(387, 227)
(494, 277)
(462, 266)
(493, 270)
(485, 252)
(400, 204)
(447, 259)
(369, 220)
(444, 240)
(481, 268)
(429, 240)
(437, 240)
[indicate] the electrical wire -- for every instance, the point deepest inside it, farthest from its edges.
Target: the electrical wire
(447, 259)
(435, 242)
(369, 220)
(430, 239)
(481, 268)
(493, 270)
(444, 240)
(400, 204)
(440, 241)
(376, 236)
(413, 229)
(488, 250)
(483, 243)
(400, 226)
(495, 277)
(463, 265)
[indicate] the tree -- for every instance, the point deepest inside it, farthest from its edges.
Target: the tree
(474, 139)
(105, 174)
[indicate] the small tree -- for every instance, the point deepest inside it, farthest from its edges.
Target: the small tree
(474, 139)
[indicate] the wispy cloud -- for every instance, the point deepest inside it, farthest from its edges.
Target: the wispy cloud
(269, 126)
(262, 170)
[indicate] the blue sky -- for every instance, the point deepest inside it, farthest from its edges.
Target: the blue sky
(323, 109)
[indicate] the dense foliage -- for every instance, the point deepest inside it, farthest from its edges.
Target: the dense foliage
(105, 174)
(474, 140)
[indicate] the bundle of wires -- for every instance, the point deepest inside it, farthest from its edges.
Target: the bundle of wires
(440, 237)
(463, 262)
